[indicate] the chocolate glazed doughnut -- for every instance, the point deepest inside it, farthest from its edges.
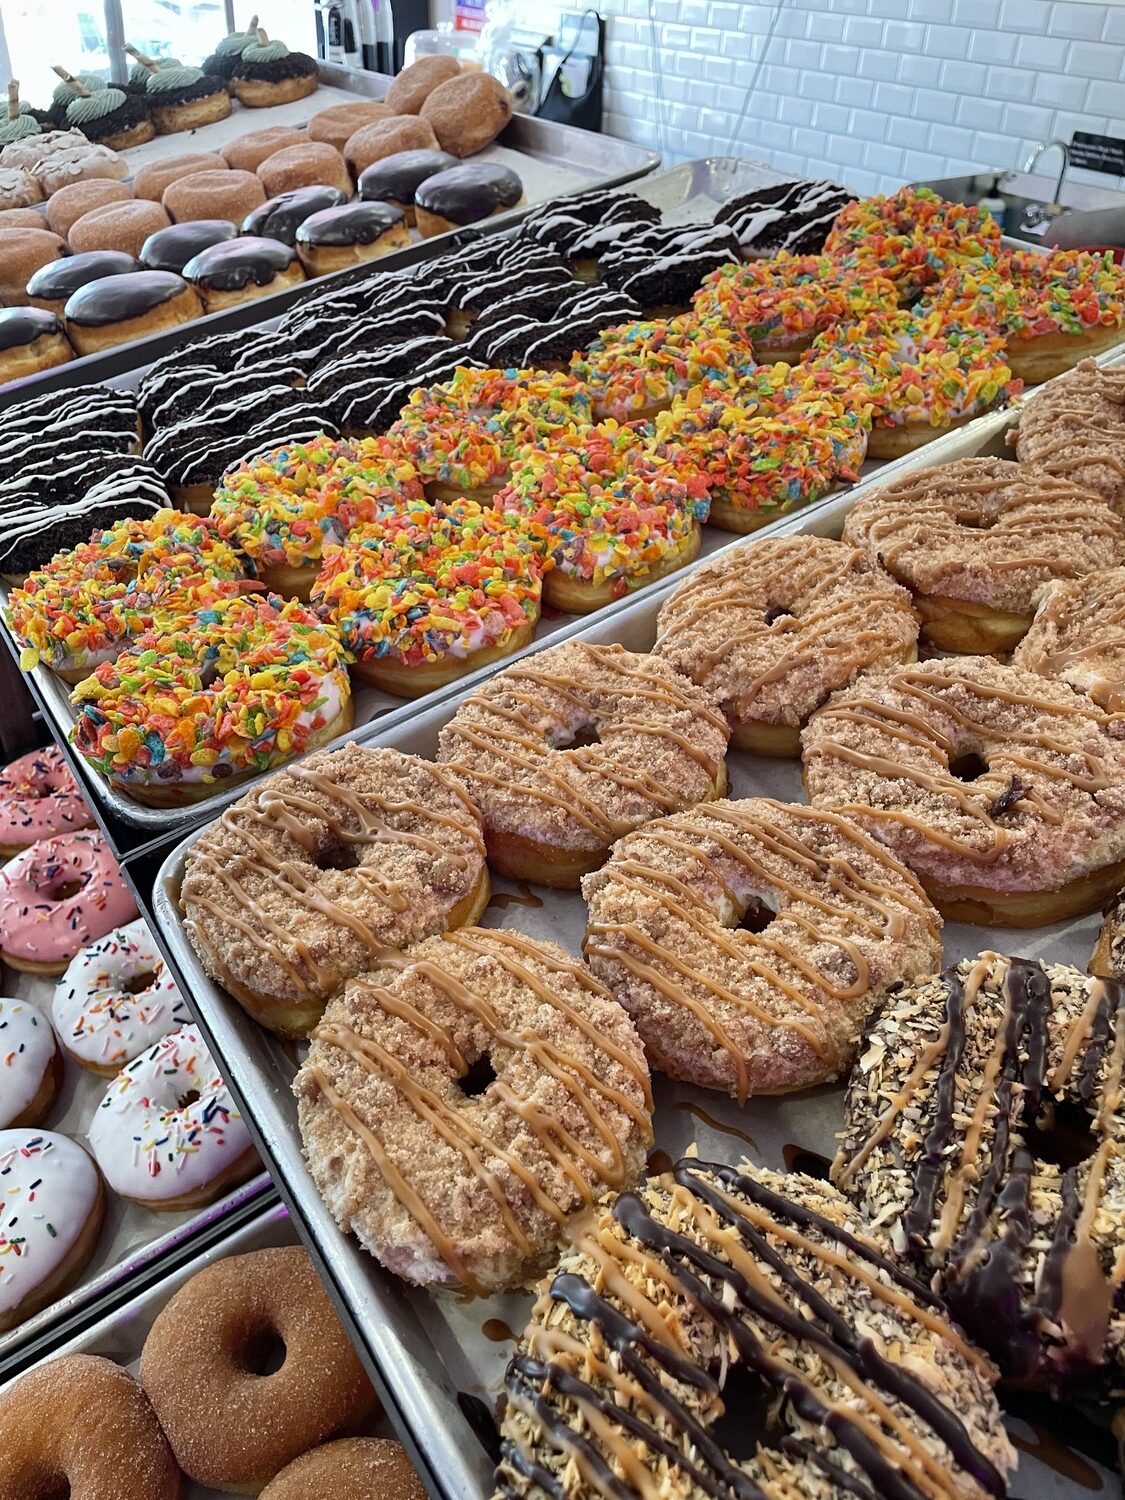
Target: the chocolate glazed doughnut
(31, 339)
(336, 238)
(396, 178)
(465, 194)
(170, 249)
(237, 270)
(118, 309)
(279, 218)
(55, 283)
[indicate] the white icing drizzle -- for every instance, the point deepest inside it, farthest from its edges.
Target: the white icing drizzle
(27, 1045)
(48, 1190)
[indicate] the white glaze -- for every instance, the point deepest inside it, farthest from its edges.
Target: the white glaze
(27, 1045)
(48, 1189)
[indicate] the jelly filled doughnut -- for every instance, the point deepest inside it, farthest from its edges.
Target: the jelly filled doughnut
(464, 194)
(31, 1065)
(467, 112)
(311, 164)
(237, 270)
(370, 143)
(273, 902)
(395, 179)
(66, 206)
(151, 180)
(279, 218)
(119, 309)
(341, 121)
(336, 238)
(31, 339)
(214, 194)
(22, 252)
(410, 89)
(361, 1468)
(1074, 428)
(21, 218)
(1078, 635)
(51, 1207)
(399, 1153)
(55, 897)
(39, 799)
(118, 226)
(54, 284)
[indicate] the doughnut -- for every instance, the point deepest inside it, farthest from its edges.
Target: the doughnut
(112, 118)
(69, 204)
(249, 151)
(1108, 957)
(55, 897)
(1078, 635)
(395, 179)
(20, 218)
(151, 180)
(371, 143)
(268, 73)
(1075, 428)
(637, 369)
(914, 237)
(18, 189)
(548, 338)
(232, 1424)
(361, 396)
(556, 221)
(183, 98)
(222, 194)
(206, 393)
(51, 1206)
(27, 152)
(272, 907)
(447, 1192)
(239, 270)
(669, 1298)
(48, 429)
(79, 162)
(54, 284)
(974, 540)
(567, 751)
(22, 252)
(467, 112)
(791, 218)
(981, 1135)
(361, 1468)
(170, 249)
(119, 309)
(39, 799)
(116, 1000)
(118, 226)
(337, 238)
(1002, 790)
(660, 266)
(167, 1133)
(279, 218)
(465, 194)
(31, 339)
(413, 86)
(31, 1068)
(340, 121)
(311, 164)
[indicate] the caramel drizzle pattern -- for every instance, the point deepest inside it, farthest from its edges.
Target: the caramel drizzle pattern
(1071, 418)
(580, 1163)
(1088, 627)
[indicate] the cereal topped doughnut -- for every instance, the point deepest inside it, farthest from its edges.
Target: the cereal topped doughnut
(1078, 635)
(570, 749)
(668, 1295)
(445, 1185)
(1003, 790)
(974, 540)
(962, 1076)
(636, 369)
(913, 237)
(1075, 428)
(311, 876)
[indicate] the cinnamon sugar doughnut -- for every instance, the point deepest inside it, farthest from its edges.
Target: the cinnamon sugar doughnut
(386, 137)
(249, 151)
(1074, 427)
(568, 750)
(311, 164)
(467, 112)
(413, 86)
(118, 226)
(214, 195)
(360, 1468)
(446, 1184)
(771, 631)
(340, 122)
(151, 180)
(1078, 635)
(975, 539)
(20, 218)
(306, 880)
(1002, 790)
(22, 252)
(69, 204)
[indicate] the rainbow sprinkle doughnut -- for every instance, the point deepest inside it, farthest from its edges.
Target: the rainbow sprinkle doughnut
(422, 596)
(223, 693)
(913, 237)
(637, 369)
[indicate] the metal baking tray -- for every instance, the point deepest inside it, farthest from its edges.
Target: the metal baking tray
(447, 1380)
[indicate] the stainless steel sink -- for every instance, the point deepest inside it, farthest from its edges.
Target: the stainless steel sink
(1086, 215)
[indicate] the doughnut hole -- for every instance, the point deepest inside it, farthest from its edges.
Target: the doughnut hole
(337, 855)
(969, 766)
(757, 916)
(65, 890)
(140, 982)
(480, 1074)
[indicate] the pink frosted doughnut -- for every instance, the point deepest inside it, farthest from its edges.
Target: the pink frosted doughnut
(39, 799)
(58, 896)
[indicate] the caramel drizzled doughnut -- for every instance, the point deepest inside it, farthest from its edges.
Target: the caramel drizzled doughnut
(1075, 427)
(306, 880)
(1078, 634)
(1002, 790)
(975, 539)
(1108, 956)
(467, 112)
(962, 1079)
(772, 631)
(360, 1468)
(445, 1184)
(570, 749)
(706, 1272)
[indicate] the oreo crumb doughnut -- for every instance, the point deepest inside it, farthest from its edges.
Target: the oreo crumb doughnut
(1078, 635)
(111, 118)
(118, 226)
(549, 340)
(268, 73)
(660, 266)
(445, 1189)
(557, 221)
(337, 238)
(307, 879)
(964, 1077)
(231, 1427)
(54, 284)
(371, 143)
(636, 370)
(247, 152)
(395, 179)
(669, 1294)
(362, 397)
(211, 395)
(1075, 428)
(85, 1422)
(31, 339)
(974, 541)
(553, 804)
(465, 194)
(55, 897)
(413, 86)
(238, 270)
(467, 112)
(361, 1468)
(151, 180)
(39, 799)
(183, 98)
(337, 124)
(1002, 790)
(794, 217)
(31, 1066)
(119, 309)
(280, 217)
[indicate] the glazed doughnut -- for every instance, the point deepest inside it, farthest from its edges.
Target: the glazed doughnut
(54, 284)
(118, 226)
(151, 180)
(974, 540)
(914, 237)
(311, 164)
(554, 800)
(116, 1000)
(279, 218)
(231, 1427)
(22, 252)
(69, 204)
(268, 73)
(39, 799)
(84, 1422)
(963, 1075)
(361, 1468)
(249, 151)
(119, 309)
(387, 137)
(241, 269)
(337, 124)
(272, 904)
(31, 1066)
(1002, 790)
(170, 249)
(464, 194)
(222, 194)
(1078, 635)
(77, 163)
(55, 897)
(1075, 428)
(396, 178)
(637, 369)
(446, 1192)
(336, 238)
(43, 1248)
(411, 88)
(31, 339)
(467, 112)
(18, 189)
(789, 217)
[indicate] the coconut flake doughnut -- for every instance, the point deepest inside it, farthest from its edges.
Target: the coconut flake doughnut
(231, 1427)
(552, 808)
(225, 194)
(337, 124)
(708, 1274)
(31, 1065)
(360, 1468)
(85, 1422)
(72, 203)
(913, 238)
(411, 88)
(974, 541)
(39, 799)
(963, 1076)
(1003, 791)
(386, 137)
(51, 1206)
(118, 226)
(1078, 635)
(313, 874)
(57, 896)
(442, 1183)
(467, 112)
(1075, 428)
(635, 370)
(249, 151)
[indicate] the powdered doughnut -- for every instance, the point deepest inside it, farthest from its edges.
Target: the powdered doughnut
(57, 896)
(39, 799)
(413, 86)
(31, 1065)
(230, 1427)
(22, 252)
(445, 1185)
(340, 122)
(386, 137)
(118, 226)
(1074, 427)
(249, 151)
(214, 195)
(1078, 635)
(151, 180)
(311, 164)
(360, 1468)
(467, 112)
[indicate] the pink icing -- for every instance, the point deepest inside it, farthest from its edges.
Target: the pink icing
(39, 799)
(39, 924)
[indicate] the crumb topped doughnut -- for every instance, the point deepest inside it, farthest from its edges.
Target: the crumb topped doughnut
(1078, 635)
(398, 1147)
(975, 539)
(1075, 427)
(309, 877)
(962, 1077)
(570, 749)
(670, 1292)
(770, 632)
(361, 1468)
(1002, 790)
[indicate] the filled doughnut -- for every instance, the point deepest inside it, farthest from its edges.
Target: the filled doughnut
(31, 1066)
(307, 879)
(280, 217)
(335, 238)
(246, 153)
(395, 179)
(386, 137)
(636, 370)
(170, 249)
(31, 339)
(341, 121)
(445, 1184)
(231, 1426)
(268, 73)
(54, 284)
(1002, 790)
(914, 237)
(311, 164)
(55, 897)
(361, 1468)
(118, 226)
(22, 252)
(238, 270)
(21, 218)
(39, 799)
(410, 88)
(467, 112)
(119, 309)
(66, 206)
(1075, 428)
(214, 194)
(151, 180)
(1078, 634)
(464, 194)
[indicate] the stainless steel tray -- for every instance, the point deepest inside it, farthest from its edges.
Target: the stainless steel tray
(471, 1341)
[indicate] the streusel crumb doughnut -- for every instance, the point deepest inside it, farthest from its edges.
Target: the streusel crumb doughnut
(307, 879)
(770, 631)
(1075, 427)
(446, 1184)
(708, 1273)
(1078, 635)
(955, 1146)
(568, 750)
(1003, 791)
(749, 940)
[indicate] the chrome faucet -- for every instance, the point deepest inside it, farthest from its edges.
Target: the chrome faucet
(1033, 161)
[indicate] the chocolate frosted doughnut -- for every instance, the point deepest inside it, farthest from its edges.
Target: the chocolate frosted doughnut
(280, 217)
(387, 137)
(118, 226)
(22, 252)
(214, 195)
(339, 237)
(131, 306)
(170, 249)
(413, 86)
(53, 284)
(465, 194)
(31, 339)
(467, 112)
(69, 204)
(311, 164)
(395, 179)
(154, 177)
(236, 270)
(337, 124)
(249, 151)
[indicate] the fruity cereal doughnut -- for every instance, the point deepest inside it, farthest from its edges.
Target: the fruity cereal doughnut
(635, 370)
(913, 238)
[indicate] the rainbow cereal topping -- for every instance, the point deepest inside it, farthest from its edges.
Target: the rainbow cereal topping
(913, 237)
(790, 297)
(639, 367)
(1027, 293)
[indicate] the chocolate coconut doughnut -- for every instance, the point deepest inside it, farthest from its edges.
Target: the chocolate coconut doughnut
(311, 164)
(336, 238)
(387, 137)
(1078, 635)
(170, 249)
(53, 284)
(151, 180)
(249, 151)
(341, 121)
(467, 112)
(239, 269)
(118, 226)
(396, 178)
(69, 204)
(465, 194)
(666, 1295)
(31, 339)
(222, 194)
(413, 86)
(22, 252)
(1075, 427)
(280, 217)
(118, 309)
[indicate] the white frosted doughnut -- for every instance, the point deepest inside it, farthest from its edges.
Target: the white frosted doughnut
(50, 1211)
(27, 1051)
(102, 1019)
